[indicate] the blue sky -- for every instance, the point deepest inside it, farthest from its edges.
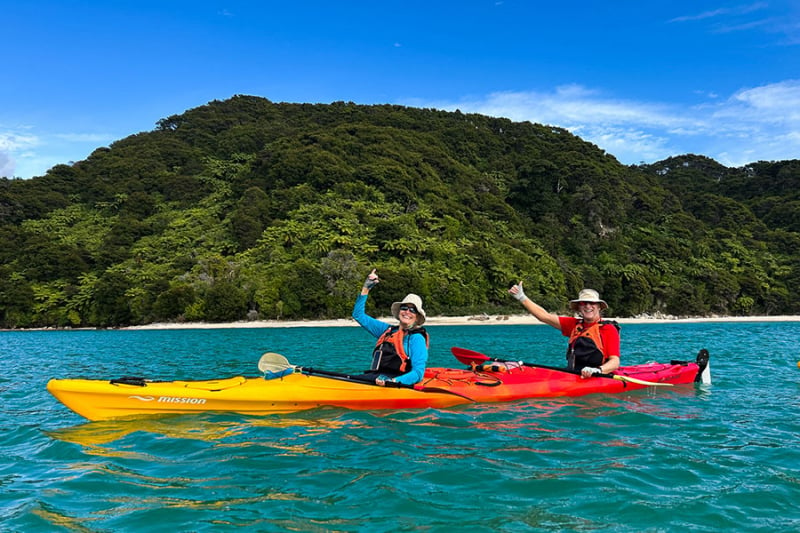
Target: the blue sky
(642, 80)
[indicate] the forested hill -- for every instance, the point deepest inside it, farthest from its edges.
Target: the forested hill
(245, 208)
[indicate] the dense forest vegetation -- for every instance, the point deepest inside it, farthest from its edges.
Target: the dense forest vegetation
(245, 208)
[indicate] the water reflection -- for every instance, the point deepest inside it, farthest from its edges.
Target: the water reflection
(94, 436)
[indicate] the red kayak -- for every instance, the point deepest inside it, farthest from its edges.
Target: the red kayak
(496, 380)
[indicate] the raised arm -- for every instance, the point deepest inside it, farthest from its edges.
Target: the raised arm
(533, 308)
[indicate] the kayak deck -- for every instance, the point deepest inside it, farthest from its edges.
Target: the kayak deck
(511, 381)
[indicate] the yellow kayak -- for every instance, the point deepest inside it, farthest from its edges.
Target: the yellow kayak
(104, 399)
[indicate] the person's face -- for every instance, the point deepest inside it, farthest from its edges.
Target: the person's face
(407, 315)
(590, 311)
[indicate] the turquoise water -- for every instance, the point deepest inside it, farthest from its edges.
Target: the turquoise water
(724, 456)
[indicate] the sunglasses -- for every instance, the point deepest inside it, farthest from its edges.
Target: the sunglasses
(587, 303)
(409, 308)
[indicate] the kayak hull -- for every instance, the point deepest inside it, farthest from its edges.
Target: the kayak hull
(441, 388)
(102, 400)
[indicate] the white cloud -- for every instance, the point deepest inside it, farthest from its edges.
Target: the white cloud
(13, 144)
(757, 17)
(778, 101)
(25, 154)
(12, 141)
(6, 165)
(758, 123)
(723, 12)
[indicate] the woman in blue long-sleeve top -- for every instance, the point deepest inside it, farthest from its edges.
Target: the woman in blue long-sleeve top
(401, 352)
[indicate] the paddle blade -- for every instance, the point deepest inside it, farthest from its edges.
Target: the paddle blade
(274, 365)
(638, 381)
(469, 357)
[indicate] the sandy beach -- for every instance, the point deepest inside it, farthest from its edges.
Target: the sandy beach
(476, 320)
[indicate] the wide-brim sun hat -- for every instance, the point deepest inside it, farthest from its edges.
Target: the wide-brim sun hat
(414, 300)
(587, 295)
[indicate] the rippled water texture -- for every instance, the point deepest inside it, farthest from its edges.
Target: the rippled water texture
(713, 457)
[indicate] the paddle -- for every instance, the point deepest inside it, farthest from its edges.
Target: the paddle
(275, 365)
(471, 357)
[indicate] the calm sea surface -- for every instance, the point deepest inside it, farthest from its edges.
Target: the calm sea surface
(717, 457)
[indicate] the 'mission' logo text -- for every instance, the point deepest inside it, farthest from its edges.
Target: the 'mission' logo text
(172, 399)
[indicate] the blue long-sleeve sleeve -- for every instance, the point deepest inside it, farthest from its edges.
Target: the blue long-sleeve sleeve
(373, 325)
(414, 345)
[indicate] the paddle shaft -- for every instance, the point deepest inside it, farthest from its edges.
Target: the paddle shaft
(369, 381)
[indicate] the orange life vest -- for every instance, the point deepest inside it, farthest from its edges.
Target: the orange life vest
(389, 356)
(586, 345)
